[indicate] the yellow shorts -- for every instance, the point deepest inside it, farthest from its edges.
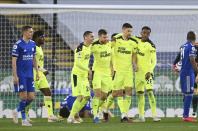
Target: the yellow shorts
(141, 83)
(121, 80)
(42, 82)
(80, 85)
(102, 81)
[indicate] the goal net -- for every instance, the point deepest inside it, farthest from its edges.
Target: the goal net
(64, 26)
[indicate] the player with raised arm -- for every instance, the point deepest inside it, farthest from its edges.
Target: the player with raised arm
(101, 71)
(124, 58)
(79, 76)
(146, 55)
(42, 84)
(23, 60)
(187, 76)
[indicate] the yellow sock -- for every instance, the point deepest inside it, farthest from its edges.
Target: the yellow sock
(127, 103)
(48, 105)
(121, 104)
(141, 104)
(109, 102)
(152, 103)
(75, 108)
(83, 103)
(95, 106)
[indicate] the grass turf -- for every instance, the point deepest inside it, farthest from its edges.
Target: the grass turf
(167, 124)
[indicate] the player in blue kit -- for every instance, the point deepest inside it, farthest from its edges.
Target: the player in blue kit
(187, 77)
(23, 61)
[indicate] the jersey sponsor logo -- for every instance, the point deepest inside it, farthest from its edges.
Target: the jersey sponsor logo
(27, 57)
(14, 47)
(123, 50)
(104, 54)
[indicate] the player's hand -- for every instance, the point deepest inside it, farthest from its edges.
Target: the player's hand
(148, 75)
(16, 80)
(174, 68)
(46, 72)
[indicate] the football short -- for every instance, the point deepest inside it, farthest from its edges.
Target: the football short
(187, 82)
(121, 80)
(80, 85)
(42, 82)
(25, 85)
(141, 84)
(102, 81)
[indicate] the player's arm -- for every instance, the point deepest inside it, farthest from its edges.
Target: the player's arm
(192, 56)
(35, 64)
(134, 57)
(15, 54)
(194, 64)
(14, 70)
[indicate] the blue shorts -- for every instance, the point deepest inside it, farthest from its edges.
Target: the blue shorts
(187, 82)
(25, 84)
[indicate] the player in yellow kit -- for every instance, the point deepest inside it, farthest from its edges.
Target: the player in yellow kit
(101, 71)
(124, 57)
(146, 61)
(79, 76)
(42, 84)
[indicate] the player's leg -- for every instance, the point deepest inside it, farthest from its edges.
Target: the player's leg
(75, 92)
(96, 82)
(128, 84)
(151, 97)
(195, 101)
(118, 84)
(140, 85)
(187, 83)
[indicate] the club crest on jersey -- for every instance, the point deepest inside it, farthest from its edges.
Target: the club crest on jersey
(21, 86)
(25, 50)
(15, 47)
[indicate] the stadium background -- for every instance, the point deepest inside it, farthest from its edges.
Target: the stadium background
(64, 32)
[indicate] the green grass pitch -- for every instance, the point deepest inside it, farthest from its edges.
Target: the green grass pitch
(167, 124)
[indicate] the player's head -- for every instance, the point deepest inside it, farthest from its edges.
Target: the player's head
(191, 36)
(145, 33)
(39, 37)
(27, 32)
(88, 37)
(112, 36)
(127, 29)
(103, 36)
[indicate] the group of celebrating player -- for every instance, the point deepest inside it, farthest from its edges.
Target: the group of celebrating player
(118, 65)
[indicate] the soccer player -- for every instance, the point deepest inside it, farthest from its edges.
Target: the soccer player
(42, 84)
(23, 60)
(101, 71)
(146, 55)
(187, 76)
(79, 76)
(124, 57)
(195, 94)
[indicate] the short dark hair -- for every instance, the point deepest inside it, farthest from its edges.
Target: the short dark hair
(127, 25)
(191, 36)
(37, 34)
(146, 28)
(102, 32)
(114, 34)
(25, 28)
(86, 33)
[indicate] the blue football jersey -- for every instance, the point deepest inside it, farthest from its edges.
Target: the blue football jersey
(24, 53)
(187, 50)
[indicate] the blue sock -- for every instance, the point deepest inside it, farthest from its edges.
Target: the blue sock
(187, 103)
(22, 105)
